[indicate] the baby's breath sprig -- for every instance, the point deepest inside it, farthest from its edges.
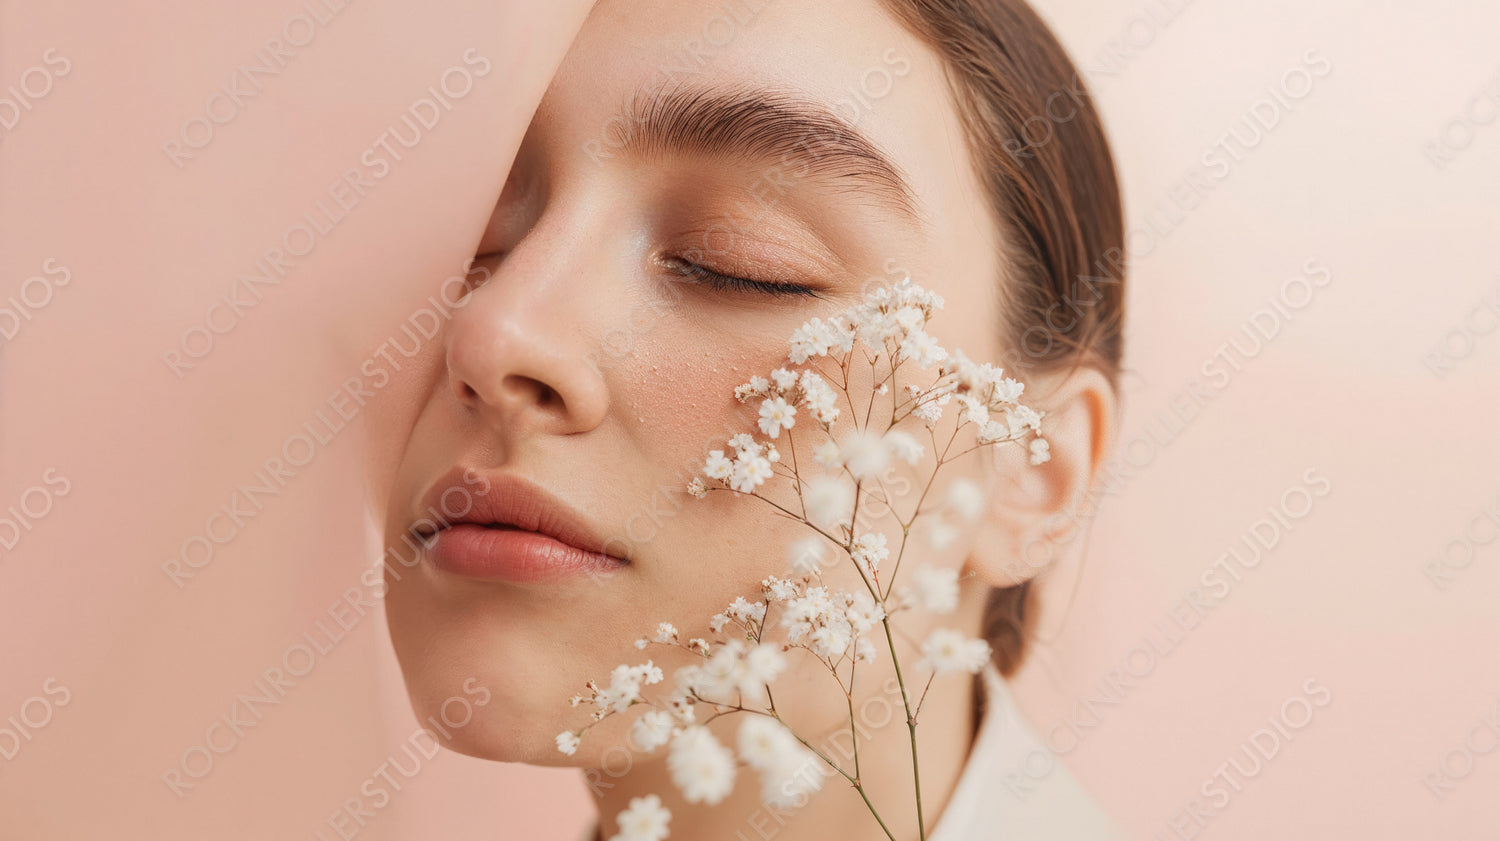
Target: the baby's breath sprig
(734, 671)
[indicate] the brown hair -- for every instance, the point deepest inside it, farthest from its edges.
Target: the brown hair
(1039, 150)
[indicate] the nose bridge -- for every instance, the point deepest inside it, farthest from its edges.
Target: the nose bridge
(523, 353)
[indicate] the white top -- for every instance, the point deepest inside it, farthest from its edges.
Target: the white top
(1012, 787)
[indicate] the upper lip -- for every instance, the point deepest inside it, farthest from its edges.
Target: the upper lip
(499, 499)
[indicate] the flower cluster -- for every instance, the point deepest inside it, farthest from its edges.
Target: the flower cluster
(751, 643)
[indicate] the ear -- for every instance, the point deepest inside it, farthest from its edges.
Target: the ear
(1034, 512)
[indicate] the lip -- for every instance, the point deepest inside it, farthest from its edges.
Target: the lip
(500, 527)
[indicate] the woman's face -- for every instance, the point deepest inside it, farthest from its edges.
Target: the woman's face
(594, 365)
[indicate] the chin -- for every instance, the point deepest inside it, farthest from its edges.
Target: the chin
(480, 685)
(485, 712)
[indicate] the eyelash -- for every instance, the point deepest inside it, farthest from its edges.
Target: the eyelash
(730, 283)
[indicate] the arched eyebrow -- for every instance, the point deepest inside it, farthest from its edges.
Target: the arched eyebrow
(781, 127)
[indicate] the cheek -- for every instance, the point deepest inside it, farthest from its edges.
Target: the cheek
(677, 391)
(394, 405)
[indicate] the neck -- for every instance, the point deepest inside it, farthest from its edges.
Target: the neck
(945, 733)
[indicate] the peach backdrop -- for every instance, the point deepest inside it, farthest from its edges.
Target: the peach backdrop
(1356, 227)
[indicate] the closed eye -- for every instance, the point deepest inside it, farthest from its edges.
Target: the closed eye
(730, 283)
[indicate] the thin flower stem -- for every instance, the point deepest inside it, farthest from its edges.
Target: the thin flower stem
(793, 448)
(853, 728)
(895, 391)
(849, 547)
(906, 526)
(923, 699)
(854, 781)
(911, 727)
(844, 387)
(834, 540)
(854, 515)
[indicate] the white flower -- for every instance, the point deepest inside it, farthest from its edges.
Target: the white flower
(717, 622)
(567, 742)
(697, 488)
(863, 612)
(1022, 419)
(870, 550)
(963, 369)
(819, 398)
(936, 588)
(614, 699)
(666, 633)
(780, 590)
(993, 431)
(783, 378)
(808, 341)
(624, 688)
(701, 767)
(975, 410)
(864, 650)
(1041, 451)
(828, 501)
(718, 466)
(921, 347)
(734, 669)
(827, 454)
(910, 317)
(744, 443)
(763, 664)
(864, 453)
(746, 612)
(757, 387)
(813, 384)
(801, 613)
(905, 291)
(652, 730)
(817, 337)
(645, 820)
(806, 555)
(766, 743)
(750, 473)
(788, 771)
(873, 327)
(820, 621)
(966, 498)
(903, 446)
(832, 640)
(775, 415)
(947, 650)
(1007, 390)
(929, 412)
(680, 707)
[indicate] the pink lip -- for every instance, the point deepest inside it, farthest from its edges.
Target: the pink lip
(514, 555)
(503, 528)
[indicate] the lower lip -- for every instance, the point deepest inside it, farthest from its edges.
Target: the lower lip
(513, 555)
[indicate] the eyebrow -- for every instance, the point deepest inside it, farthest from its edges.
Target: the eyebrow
(766, 124)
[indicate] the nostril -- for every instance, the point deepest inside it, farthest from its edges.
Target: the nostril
(527, 390)
(547, 395)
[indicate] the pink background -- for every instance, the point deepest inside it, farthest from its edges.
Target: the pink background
(1410, 456)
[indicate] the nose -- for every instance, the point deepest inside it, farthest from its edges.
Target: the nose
(518, 355)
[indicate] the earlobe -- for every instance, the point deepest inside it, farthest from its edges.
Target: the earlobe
(1035, 512)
